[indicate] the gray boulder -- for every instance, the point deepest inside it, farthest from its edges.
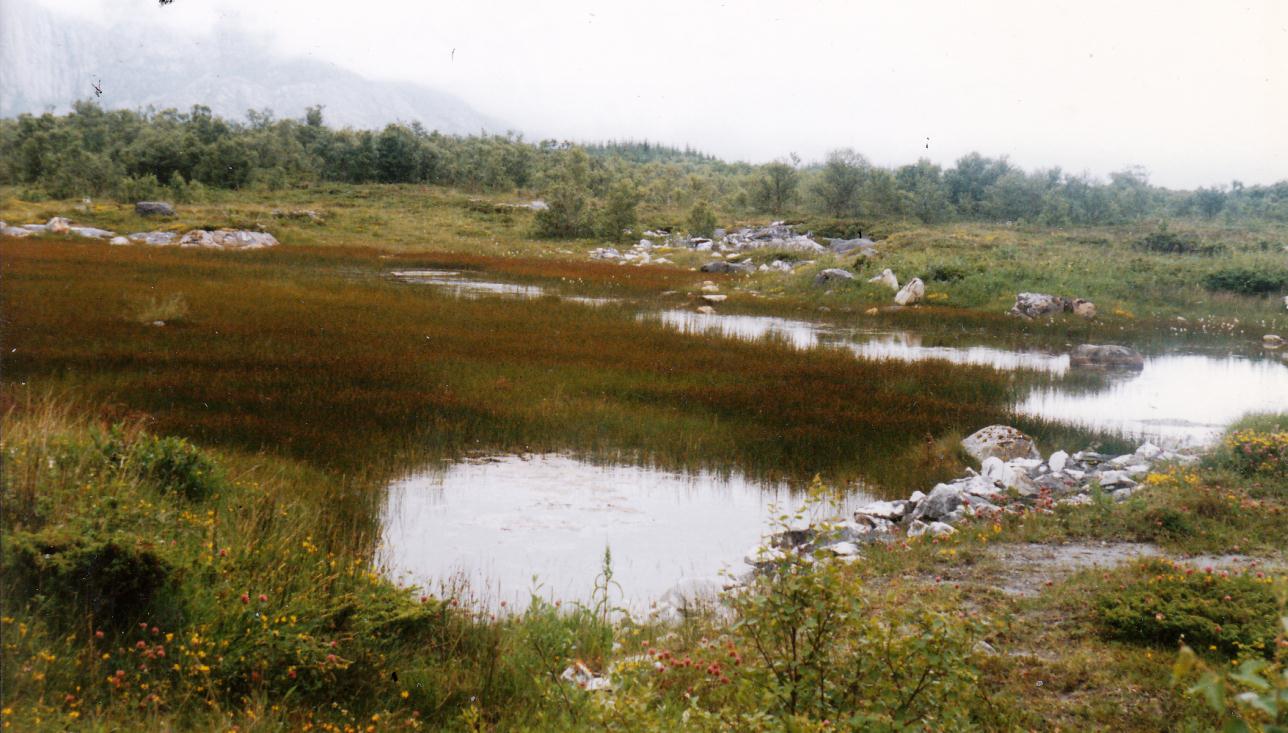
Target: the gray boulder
(227, 239)
(832, 275)
(1001, 441)
(58, 225)
(941, 502)
(1111, 356)
(91, 232)
(720, 266)
(865, 247)
(154, 208)
(1035, 305)
(17, 232)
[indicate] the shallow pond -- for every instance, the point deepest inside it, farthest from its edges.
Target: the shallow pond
(501, 522)
(512, 525)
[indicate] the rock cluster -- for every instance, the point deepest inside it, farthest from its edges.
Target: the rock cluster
(1012, 477)
(1036, 305)
(216, 239)
(643, 252)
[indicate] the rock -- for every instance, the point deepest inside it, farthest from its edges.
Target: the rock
(866, 247)
(1286, 301)
(831, 275)
(936, 529)
(1110, 356)
(942, 501)
(1057, 461)
(887, 279)
(727, 267)
(1034, 305)
(227, 239)
(1001, 441)
(706, 310)
(155, 239)
(154, 208)
(892, 510)
(605, 253)
(843, 549)
(91, 232)
(1272, 341)
(718, 233)
(913, 292)
(917, 497)
(1084, 308)
(1122, 494)
(1114, 479)
(58, 225)
(1148, 452)
(118, 241)
(872, 312)
(17, 232)
(710, 287)
(715, 298)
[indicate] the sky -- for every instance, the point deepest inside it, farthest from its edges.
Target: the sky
(1195, 91)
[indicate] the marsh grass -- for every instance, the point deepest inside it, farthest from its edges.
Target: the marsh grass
(314, 354)
(170, 309)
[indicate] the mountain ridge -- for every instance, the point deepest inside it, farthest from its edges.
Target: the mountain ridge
(48, 61)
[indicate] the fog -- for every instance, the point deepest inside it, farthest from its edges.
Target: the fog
(1196, 92)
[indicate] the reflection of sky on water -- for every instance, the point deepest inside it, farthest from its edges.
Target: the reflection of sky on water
(504, 520)
(1181, 399)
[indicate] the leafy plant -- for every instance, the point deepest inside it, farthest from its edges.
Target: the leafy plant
(1246, 281)
(1168, 603)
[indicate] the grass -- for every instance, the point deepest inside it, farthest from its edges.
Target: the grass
(312, 353)
(972, 271)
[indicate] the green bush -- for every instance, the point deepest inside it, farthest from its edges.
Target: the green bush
(115, 581)
(945, 273)
(176, 466)
(702, 221)
(172, 465)
(1166, 604)
(1247, 281)
(1171, 243)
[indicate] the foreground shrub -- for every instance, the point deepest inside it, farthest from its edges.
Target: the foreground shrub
(1166, 604)
(1251, 697)
(1246, 281)
(111, 581)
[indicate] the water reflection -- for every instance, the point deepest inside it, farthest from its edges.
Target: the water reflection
(502, 521)
(1177, 399)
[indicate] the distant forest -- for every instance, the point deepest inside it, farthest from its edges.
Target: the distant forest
(134, 155)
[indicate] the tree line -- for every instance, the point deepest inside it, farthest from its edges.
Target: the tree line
(591, 189)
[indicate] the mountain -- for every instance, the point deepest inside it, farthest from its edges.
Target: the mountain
(48, 61)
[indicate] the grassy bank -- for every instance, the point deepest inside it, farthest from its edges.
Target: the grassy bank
(972, 271)
(150, 585)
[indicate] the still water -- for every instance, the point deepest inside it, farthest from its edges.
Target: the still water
(513, 525)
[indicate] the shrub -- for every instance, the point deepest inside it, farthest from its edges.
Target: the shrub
(174, 465)
(945, 273)
(1246, 281)
(115, 581)
(1167, 603)
(702, 221)
(1251, 452)
(1171, 243)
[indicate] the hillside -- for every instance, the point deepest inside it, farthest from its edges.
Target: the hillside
(48, 60)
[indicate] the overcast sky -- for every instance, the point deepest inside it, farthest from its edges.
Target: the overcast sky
(1194, 91)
